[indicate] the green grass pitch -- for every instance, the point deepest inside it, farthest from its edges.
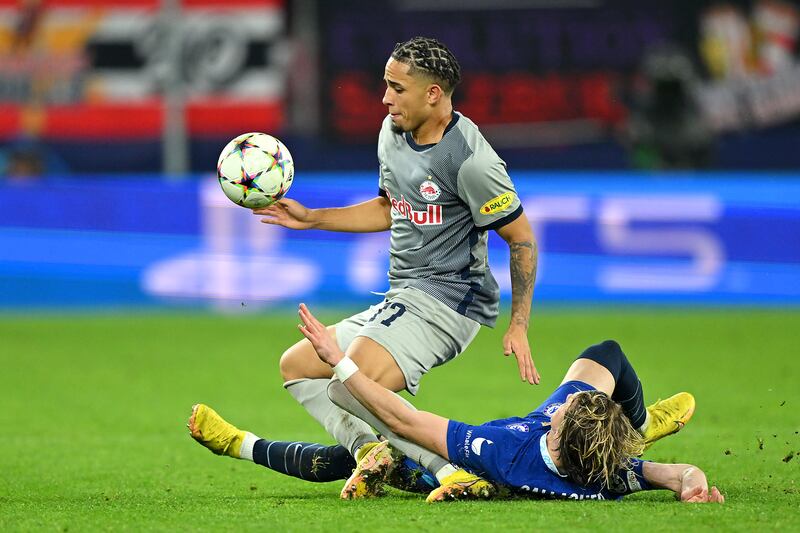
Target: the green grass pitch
(93, 412)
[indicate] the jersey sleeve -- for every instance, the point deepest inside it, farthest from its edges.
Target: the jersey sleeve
(383, 170)
(484, 185)
(630, 481)
(381, 176)
(559, 396)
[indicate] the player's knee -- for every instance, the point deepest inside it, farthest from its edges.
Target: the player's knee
(291, 365)
(612, 348)
(286, 366)
(608, 350)
(608, 354)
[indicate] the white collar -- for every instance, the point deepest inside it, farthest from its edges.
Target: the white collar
(546, 456)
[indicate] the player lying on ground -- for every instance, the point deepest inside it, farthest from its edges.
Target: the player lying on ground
(579, 444)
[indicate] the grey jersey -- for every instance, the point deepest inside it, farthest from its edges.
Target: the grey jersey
(444, 198)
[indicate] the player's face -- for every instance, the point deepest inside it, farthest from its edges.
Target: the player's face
(406, 97)
(558, 416)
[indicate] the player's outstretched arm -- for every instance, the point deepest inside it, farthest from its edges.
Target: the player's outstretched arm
(687, 482)
(524, 258)
(425, 429)
(370, 216)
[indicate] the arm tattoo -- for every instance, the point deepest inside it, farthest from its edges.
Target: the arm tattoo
(524, 258)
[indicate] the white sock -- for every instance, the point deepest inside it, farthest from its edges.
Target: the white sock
(641, 429)
(347, 430)
(249, 441)
(445, 471)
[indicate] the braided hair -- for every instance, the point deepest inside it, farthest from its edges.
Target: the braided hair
(431, 58)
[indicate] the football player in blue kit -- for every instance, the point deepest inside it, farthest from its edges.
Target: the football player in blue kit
(581, 443)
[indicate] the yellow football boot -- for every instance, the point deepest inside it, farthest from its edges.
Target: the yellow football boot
(375, 463)
(668, 417)
(213, 432)
(462, 485)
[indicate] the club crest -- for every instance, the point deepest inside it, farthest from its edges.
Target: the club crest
(429, 190)
(551, 409)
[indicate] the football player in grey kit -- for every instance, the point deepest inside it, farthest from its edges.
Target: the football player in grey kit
(441, 189)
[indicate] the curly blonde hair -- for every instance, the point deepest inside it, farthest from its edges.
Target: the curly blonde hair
(596, 439)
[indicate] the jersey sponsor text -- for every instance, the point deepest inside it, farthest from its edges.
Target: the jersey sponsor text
(498, 203)
(431, 216)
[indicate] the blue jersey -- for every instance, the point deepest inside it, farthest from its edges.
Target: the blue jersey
(513, 452)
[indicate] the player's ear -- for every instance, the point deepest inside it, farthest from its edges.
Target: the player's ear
(435, 93)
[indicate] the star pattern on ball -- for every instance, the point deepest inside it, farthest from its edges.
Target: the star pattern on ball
(279, 161)
(244, 145)
(248, 182)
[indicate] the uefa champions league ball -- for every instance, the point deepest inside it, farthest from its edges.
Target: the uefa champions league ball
(255, 170)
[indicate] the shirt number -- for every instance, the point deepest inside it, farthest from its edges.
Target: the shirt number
(399, 310)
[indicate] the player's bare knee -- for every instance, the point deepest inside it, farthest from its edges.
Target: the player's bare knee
(286, 366)
(291, 364)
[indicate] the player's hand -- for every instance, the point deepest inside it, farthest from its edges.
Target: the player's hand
(694, 488)
(287, 213)
(516, 341)
(322, 341)
(700, 495)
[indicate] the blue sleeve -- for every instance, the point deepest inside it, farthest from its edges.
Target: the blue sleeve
(630, 481)
(637, 482)
(486, 450)
(559, 396)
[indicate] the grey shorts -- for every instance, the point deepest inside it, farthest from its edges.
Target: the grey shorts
(419, 331)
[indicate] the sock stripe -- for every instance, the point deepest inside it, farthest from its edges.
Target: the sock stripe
(634, 407)
(285, 456)
(301, 460)
(635, 394)
(294, 457)
(269, 463)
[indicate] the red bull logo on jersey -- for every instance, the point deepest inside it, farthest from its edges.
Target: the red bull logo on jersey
(431, 216)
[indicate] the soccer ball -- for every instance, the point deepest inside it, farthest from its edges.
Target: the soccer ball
(255, 170)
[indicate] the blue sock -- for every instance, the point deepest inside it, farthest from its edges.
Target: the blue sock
(628, 389)
(308, 461)
(320, 463)
(412, 477)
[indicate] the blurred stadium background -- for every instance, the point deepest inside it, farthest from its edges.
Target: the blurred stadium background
(655, 146)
